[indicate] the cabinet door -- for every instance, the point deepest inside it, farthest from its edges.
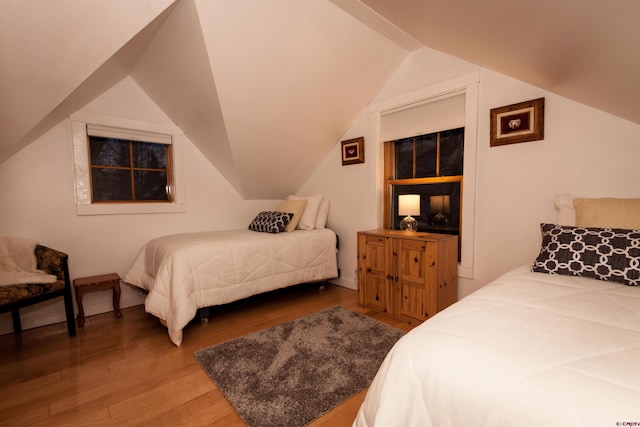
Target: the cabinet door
(412, 274)
(448, 274)
(378, 292)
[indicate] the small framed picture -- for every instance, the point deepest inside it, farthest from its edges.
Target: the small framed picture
(353, 151)
(515, 123)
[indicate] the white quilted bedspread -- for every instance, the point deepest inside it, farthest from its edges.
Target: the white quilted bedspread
(528, 349)
(184, 272)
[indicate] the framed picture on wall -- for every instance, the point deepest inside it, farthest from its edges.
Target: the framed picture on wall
(515, 123)
(353, 151)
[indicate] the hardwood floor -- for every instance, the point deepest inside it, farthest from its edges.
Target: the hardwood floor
(119, 372)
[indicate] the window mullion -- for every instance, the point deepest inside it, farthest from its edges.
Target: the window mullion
(438, 154)
(169, 166)
(416, 181)
(389, 175)
(415, 157)
(133, 186)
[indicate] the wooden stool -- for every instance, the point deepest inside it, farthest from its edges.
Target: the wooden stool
(97, 283)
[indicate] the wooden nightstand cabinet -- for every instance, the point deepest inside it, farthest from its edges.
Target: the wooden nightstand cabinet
(408, 275)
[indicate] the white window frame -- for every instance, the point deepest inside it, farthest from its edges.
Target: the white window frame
(79, 122)
(469, 85)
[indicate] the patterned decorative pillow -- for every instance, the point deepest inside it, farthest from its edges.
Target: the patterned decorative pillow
(602, 253)
(270, 222)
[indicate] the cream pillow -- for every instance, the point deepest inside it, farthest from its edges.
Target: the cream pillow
(296, 207)
(608, 213)
(308, 219)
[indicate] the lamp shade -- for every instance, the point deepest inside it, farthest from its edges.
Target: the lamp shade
(439, 204)
(409, 204)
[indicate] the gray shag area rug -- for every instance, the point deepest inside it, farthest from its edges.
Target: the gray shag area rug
(291, 374)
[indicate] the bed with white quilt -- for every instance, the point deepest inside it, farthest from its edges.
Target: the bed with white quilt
(552, 343)
(186, 272)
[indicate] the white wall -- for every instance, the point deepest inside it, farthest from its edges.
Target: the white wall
(348, 188)
(585, 152)
(38, 202)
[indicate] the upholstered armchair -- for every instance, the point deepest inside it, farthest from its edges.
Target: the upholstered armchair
(14, 297)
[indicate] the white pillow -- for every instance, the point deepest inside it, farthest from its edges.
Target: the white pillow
(566, 210)
(323, 213)
(308, 219)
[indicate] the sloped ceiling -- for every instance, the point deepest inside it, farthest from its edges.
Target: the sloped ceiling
(265, 88)
(49, 49)
(585, 50)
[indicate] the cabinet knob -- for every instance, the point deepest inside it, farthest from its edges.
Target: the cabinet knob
(388, 277)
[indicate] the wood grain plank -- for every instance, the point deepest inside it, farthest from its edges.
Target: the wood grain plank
(126, 371)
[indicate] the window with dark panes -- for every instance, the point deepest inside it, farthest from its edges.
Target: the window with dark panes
(126, 170)
(430, 165)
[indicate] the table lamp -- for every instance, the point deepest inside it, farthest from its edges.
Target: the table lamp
(439, 205)
(409, 204)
